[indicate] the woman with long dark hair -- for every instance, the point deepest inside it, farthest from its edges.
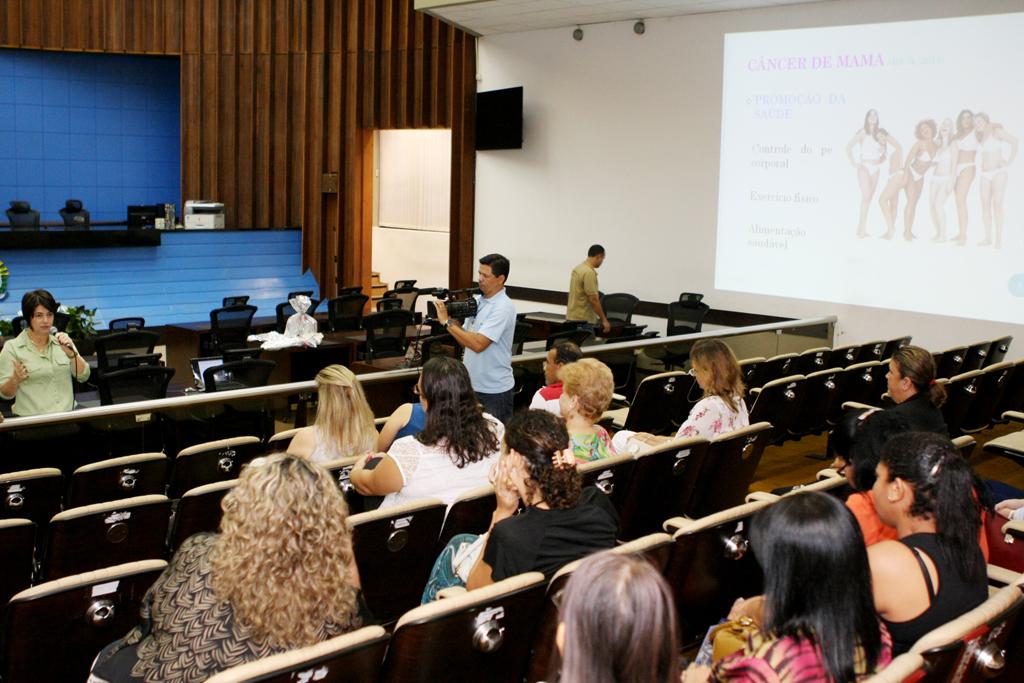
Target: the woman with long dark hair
(816, 618)
(560, 521)
(935, 571)
(452, 454)
(618, 623)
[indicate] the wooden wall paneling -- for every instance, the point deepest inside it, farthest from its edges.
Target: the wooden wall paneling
(209, 120)
(10, 27)
(400, 86)
(420, 94)
(52, 28)
(170, 23)
(313, 222)
(227, 21)
(191, 126)
(279, 129)
(298, 142)
(461, 267)
(228, 153)
(113, 20)
(192, 21)
(209, 28)
(244, 189)
(383, 74)
(31, 24)
(262, 140)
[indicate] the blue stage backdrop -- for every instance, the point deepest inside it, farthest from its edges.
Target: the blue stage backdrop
(179, 281)
(105, 129)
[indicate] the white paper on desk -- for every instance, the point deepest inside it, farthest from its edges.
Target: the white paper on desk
(275, 340)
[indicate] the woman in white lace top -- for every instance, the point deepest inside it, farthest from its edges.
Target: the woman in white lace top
(452, 454)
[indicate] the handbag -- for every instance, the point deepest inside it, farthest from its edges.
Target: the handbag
(730, 637)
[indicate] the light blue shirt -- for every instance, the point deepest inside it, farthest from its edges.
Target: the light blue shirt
(491, 371)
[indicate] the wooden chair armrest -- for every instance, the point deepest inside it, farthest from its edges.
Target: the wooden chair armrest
(759, 496)
(1013, 416)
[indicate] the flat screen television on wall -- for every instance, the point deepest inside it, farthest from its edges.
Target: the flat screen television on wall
(499, 119)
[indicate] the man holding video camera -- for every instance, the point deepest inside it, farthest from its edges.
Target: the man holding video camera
(487, 337)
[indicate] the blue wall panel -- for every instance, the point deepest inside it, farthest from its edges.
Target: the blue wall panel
(105, 129)
(179, 281)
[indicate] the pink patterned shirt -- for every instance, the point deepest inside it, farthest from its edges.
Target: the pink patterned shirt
(711, 416)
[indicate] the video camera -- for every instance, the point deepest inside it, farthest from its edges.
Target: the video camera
(460, 303)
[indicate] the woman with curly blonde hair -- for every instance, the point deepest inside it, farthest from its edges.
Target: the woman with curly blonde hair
(560, 521)
(344, 421)
(280, 575)
(587, 387)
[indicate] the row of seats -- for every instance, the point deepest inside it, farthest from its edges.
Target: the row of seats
(504, 632)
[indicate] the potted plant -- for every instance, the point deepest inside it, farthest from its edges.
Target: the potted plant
(81, 327)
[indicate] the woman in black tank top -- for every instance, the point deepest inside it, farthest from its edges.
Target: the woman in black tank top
(935, 572)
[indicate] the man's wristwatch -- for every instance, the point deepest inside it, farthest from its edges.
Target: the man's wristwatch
(448, 323)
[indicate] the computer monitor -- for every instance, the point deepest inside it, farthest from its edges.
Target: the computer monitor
(143, 215)
(199, 366)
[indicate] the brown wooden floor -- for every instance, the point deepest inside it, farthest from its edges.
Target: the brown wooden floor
(790, 463)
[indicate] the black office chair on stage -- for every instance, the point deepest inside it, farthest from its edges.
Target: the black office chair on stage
(685, 316)
(577, 336)
(304, 292)
(385, 333)
(230, 326)
(345, 312)
(405, 284)
(74, 216)
(619, 306)
(235, 300)
(238, 374)
(352, 289)
(124, 324)
(286, 310)
(22, 216)
(143, 383)
(112, 348)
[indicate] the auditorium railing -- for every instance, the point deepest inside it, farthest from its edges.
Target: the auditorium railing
(385, 390)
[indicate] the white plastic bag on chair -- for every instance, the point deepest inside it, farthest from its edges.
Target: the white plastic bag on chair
(300, 324)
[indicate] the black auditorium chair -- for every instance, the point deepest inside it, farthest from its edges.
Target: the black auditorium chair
(663, 484)
(141, 474)
(1013, 395)
(239, 300)
(213, 461)
(469, 514)
(352, 658)
(812, 360)
(486, 635)
(94, 536)
(238, 374)
(75, 217)
(845, 356)
(894, 345)
(728, 469)
(960, 393)
(285, 310)
(111, 348)
(750, 368)
(779, 402)
(345, 311)
(864, 383)
(993, 383)
(1000, 347)
(386, 333)
(977, 355)
(782, 365)
(34, 494)
(17, 549)
(872, 350)
(353, 289)
(230, 326)
(199, 509)
(660, 405)
(22, 216)
(821, 406)
(124, 324)
(54, 630)
(611, 476)
(619, 306)
(395, 551)
(950, 362)
(709, 566)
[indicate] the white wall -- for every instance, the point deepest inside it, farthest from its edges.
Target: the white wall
(621, 147)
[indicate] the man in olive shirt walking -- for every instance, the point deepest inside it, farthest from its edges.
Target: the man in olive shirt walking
(584, 300)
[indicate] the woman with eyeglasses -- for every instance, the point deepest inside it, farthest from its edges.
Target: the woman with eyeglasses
(934, 572)
(36, 367)
(720, 410)
(344, 422)
(280, 574)
(453, 453)
(628, 638)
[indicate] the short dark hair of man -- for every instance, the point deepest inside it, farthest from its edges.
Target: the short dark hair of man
(595, 250)
(567, 352)
(498, 263)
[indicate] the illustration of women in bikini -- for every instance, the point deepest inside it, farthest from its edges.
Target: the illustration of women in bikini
(920, 160)
(967, 152)
(889, 198)
(943, 177)
(992, 138)
(871, 154)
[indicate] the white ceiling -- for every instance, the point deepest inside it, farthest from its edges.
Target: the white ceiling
(489, 17)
